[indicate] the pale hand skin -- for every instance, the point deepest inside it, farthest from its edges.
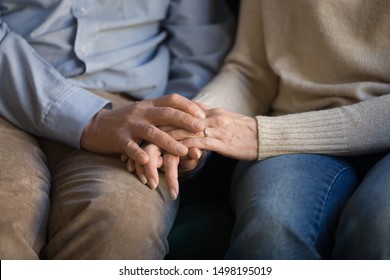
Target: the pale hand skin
(119, 131)
(229, 134)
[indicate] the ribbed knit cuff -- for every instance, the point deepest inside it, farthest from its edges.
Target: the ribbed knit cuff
(312, 132)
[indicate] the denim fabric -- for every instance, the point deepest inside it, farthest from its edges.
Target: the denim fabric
(288, 207)
(364, 227)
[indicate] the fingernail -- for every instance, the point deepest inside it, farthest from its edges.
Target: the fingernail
(152, 184)
(201, 114)
(197, 125)
(198, 154)
(182, 150)
(130, 168)
(124, 157)
(143, 179)
(173, 194)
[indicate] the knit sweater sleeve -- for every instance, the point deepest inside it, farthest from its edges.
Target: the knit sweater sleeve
(349, 130)
(245, 83)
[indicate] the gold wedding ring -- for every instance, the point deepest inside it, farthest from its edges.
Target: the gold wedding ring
(205, 132)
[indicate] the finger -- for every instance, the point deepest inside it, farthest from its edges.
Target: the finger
(194, 153)
(201, 105)
(205, 143)
(151, 168)
(180, 103)
(187, 165)
(181, 134)
(140, 171)
(220, 147)
(124, 158)
(167, 128)
(171, 164)
(134, 152)
(154, 135)
(160, 163)
(130, 165)
(170, 116)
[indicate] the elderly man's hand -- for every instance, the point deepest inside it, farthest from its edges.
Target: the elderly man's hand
(120, 131)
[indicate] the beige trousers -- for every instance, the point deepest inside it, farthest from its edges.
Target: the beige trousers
(57, 202)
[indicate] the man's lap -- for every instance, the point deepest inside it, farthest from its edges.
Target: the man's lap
(24, 194)
(98, 209)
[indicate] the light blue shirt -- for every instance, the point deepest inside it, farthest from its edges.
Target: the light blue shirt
(53, 51)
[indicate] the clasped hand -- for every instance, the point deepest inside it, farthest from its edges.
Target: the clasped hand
(229, 134)
(119, 131)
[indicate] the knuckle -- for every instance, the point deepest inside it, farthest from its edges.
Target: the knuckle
(138, 126)
(150, 132)
(204, 141)
(217, 112)
(220, 120)
(167, 113)
(129, 145)
(214, 111)
(135, 108)
(162, 112)
(220, 110)
(174, 97)
(178, 115)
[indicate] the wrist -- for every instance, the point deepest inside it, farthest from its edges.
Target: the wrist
(89, 135)
(254, 145)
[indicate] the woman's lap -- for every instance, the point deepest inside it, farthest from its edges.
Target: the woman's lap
(363, 232)
(288, 207)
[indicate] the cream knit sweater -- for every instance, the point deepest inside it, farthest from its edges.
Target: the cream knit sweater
(316, 74)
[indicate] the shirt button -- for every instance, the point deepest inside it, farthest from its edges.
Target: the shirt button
(83, 50)
(83, 11)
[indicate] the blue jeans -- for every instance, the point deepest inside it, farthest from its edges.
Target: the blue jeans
(307, 206)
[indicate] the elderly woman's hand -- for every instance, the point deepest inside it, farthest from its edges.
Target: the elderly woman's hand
(229, 134)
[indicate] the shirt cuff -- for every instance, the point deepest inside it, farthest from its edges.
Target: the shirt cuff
(69, 115)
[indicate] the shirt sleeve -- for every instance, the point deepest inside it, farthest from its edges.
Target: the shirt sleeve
(36, 98)
(200, 34)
